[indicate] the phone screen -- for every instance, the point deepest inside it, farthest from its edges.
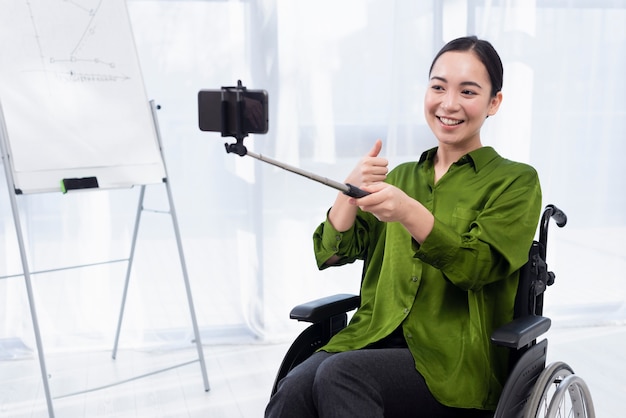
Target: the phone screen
(254, 105)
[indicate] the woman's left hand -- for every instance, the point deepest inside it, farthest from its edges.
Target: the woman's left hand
(386, 202)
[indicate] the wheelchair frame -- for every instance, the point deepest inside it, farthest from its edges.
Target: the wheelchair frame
(532, 390)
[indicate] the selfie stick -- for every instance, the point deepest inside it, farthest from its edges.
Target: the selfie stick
(346, 189)
(240, 149)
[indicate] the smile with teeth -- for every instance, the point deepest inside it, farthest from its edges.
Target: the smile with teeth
(449, 122)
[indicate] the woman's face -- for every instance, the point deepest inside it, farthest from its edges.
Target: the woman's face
(458, 100)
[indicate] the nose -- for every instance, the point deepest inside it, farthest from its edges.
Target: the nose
(449, 101)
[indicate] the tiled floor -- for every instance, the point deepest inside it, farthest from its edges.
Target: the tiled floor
(93, 385)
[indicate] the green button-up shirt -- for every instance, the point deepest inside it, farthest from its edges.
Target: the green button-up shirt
(453, 290)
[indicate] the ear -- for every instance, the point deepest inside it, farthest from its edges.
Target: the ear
(494, 104)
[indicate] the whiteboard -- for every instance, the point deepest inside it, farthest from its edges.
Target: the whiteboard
(72, 98)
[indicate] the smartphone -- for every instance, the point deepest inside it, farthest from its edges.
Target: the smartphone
(218, 111)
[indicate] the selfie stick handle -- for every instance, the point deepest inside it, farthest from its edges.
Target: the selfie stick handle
(346, 189)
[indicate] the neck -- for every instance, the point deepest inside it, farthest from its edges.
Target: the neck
(448, 155)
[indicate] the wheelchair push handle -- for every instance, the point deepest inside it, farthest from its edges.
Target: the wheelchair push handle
(559, 216)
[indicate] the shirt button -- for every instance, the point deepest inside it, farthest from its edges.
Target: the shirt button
(414, 279)
(409, 335)
(338, 237)
(406, 311)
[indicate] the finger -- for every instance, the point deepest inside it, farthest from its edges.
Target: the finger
(374, 187)
(375, 149)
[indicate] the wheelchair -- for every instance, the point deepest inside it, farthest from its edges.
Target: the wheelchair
(531, 390)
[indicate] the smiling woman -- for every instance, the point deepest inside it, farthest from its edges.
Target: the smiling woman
(442, 242)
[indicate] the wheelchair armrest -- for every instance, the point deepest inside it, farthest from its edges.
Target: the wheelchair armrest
(521, 331)
(324, 308)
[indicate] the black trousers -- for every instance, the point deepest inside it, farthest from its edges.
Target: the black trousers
(372, 382)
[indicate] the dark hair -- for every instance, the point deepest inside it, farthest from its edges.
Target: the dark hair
(485, 52)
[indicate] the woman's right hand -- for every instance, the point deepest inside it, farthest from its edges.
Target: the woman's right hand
(371, 169)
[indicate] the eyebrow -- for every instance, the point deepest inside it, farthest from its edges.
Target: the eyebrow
(464, 83)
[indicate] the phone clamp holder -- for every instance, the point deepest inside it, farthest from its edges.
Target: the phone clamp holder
(237, 148)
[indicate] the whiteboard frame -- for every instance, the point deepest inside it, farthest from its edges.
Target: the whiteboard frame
(73, 101)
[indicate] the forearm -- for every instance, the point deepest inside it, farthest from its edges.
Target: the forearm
(494, 246)
(342, 214)
(419, 221)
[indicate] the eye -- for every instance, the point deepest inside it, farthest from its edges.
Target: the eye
(468, 92)
(436, 87)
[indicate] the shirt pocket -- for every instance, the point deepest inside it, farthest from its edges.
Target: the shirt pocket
(462, 217)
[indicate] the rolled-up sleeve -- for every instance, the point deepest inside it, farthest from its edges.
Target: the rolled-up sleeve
(327, 241)
(348, 245)
(440, 247)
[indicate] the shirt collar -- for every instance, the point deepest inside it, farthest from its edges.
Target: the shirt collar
(478, 158)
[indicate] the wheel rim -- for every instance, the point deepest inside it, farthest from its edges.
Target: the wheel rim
(571, 399)
(559, 394)
(549, 380)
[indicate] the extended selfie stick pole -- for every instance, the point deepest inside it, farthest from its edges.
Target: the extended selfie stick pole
(346, 189)
(240, 149)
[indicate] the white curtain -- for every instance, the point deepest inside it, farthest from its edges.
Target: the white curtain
(339, 74)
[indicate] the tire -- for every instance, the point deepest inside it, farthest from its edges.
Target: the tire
(559, 393)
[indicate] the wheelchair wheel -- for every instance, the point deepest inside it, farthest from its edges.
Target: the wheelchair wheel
(558, 393)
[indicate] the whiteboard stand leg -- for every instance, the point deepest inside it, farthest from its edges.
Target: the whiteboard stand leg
(192, 310)
(128, 269)
(25, 268)
(40, 353)
(183, 264)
